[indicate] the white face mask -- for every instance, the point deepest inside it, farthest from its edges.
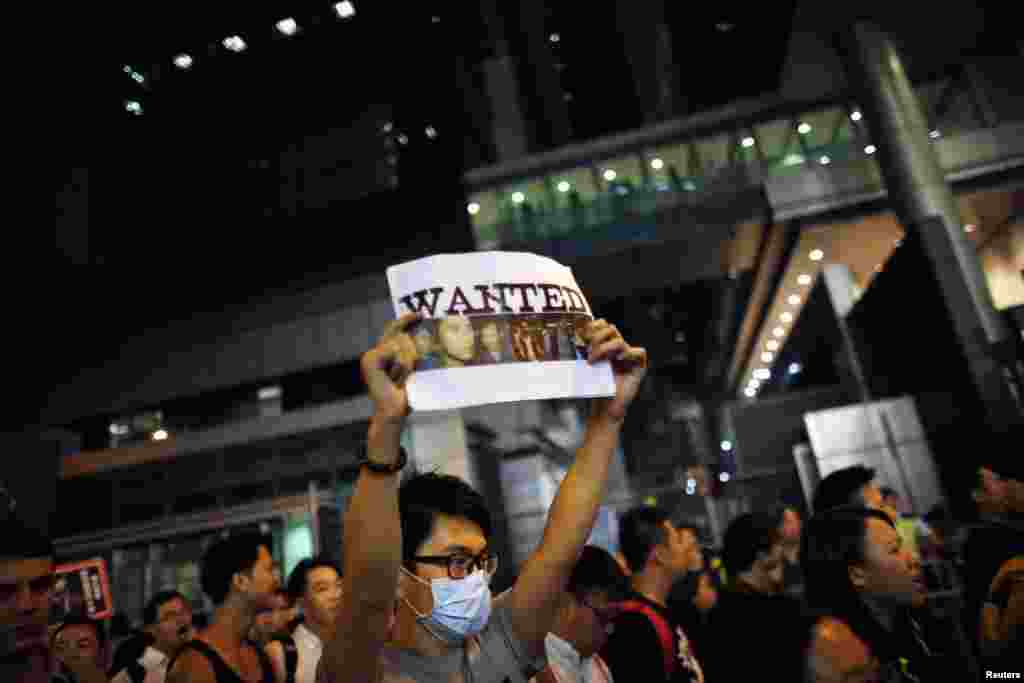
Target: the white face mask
(461, 606)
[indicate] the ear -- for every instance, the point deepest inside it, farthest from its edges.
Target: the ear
(858, 577)
(239, 581)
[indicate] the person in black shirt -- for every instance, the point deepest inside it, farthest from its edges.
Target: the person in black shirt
(749, 627)
(646, 643)
(857, 568)
(239, 578)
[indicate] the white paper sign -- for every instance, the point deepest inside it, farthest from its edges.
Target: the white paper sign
(497, 327)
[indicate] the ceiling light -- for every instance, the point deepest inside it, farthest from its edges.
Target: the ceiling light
(816, 255)
(779, 332)
(856, 115)
(804, 128)
(934, 135)
(287, 26)
(183, 61)
(793, 300)
(473, 208)
(804, 279)
(518, 197)
(825, 161)
(610, 175)
(786, 317)
(134, 107)
(763, 374)
(750, 393)
(431, 132)
(748, 142)
(564, 186)
(160, 435)
(403, 139)
(657, 164)
(555, 37)
(767, 357)
(234, 43)
(388, 127)
(795, 368)
(269, 393)
(119, 429)
(870, 149)
(792, 160)
(771, 345)
(138, 78)
(723, 477)
(345, 9)
(726, 446)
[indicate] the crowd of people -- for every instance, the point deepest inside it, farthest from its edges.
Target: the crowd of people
(841, 597)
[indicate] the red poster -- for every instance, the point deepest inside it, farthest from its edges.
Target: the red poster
(81, 588)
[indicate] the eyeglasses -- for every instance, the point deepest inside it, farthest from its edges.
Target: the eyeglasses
(461, 565)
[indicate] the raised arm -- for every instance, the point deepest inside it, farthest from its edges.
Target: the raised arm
(373, 535)
(534, 598)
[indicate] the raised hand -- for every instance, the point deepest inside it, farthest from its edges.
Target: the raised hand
(387, 367)
(629, 365)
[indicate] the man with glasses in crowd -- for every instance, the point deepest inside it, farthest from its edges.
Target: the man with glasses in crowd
(429, 543)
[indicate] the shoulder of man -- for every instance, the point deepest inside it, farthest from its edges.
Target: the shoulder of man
(190, 664)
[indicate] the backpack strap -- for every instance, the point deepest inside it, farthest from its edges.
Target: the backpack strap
(660, 626)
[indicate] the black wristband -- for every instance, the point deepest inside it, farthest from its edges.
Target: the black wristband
(378, 468)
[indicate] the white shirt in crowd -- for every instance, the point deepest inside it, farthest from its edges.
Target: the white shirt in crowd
(568, 667)
(310, 649)
(153, 661)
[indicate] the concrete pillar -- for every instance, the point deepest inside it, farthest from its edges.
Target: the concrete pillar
(925, 204)
(437, 442)
(511, 139)
(648, 43)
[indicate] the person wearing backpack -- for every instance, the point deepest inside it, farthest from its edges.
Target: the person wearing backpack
(315, 586)
(646, 643)
(168, 626)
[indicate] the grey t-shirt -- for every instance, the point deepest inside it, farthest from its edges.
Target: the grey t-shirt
(495, 656)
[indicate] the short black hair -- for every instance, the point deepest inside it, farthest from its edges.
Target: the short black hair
(423, 496)
(832, 541)
(748, 535)
(151, 612)
(227, 557)
(640, 530)
(889, 492)
(82, 620)
(597, 570)
(842, 487)
(22, 542)
(298, 580)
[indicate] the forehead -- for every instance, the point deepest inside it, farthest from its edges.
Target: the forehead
(322, 575)
(77, 632)
(173, 605)
(15, 570)
(454, 532)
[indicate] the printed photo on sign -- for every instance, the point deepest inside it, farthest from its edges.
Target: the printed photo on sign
(461, 341)
(496, 327)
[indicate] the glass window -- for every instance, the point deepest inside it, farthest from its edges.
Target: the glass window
(820, 128)
(778, 140)
(665, 161)
(621, 173)
(714, 153)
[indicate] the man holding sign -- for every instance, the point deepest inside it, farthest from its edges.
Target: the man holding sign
(418, 561)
